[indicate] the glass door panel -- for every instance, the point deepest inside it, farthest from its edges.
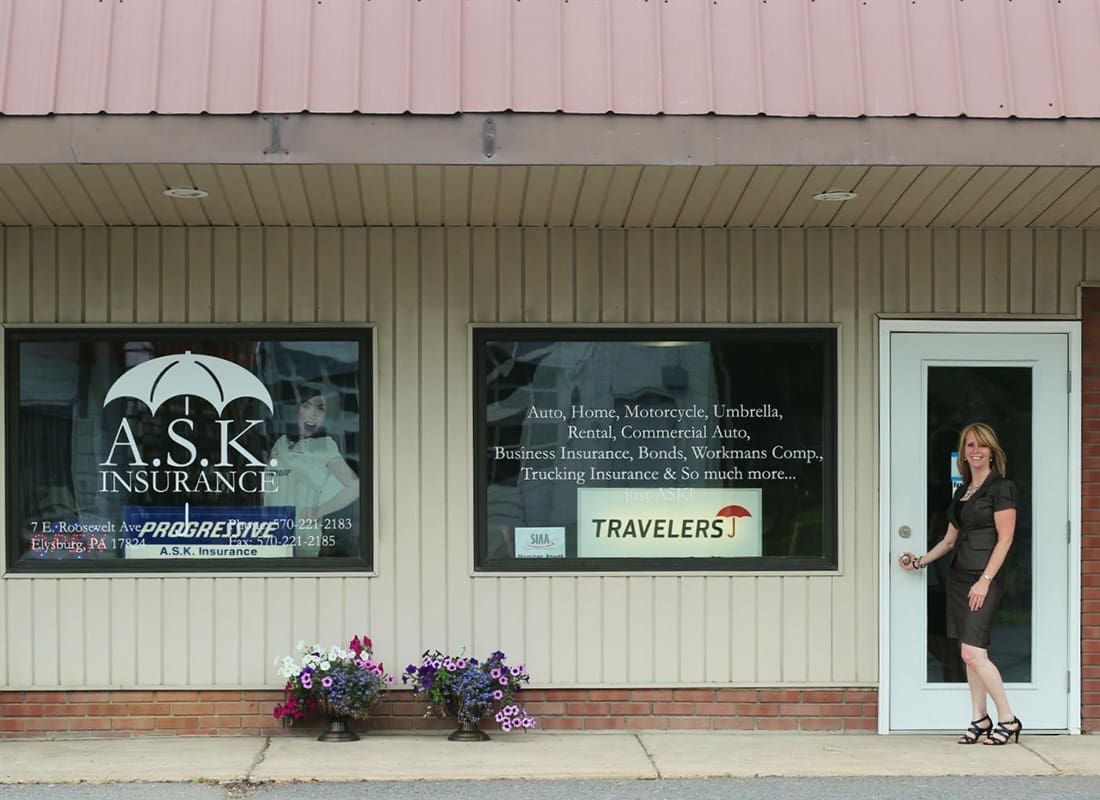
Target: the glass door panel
(1002, 398)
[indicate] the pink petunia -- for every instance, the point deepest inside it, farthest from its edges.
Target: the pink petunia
(495, 672)
(498, 695)
(326, 681)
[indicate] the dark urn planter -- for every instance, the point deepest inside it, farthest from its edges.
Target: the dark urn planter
(468, 732)
(338, 731)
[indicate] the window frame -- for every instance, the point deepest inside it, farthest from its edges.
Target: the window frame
(364, 336)
(828, 562)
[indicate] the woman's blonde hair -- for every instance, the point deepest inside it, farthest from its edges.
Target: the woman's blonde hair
(985, 437)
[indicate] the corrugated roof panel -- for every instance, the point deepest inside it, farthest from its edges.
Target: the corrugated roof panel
(285, 76)
(585, 71)
(883, 67)
(635, 57)
(82, 60)
(785, 64)
(386, 57)
(934, 58)
(536, 56)
(486, 55)
(436, 63)
(685, 58)
(830, 58)
(7, 13)
(184, 85)
(335, 56)
(236, 44)
(134, 62)
(835, 53)
(1077, 30)
(31, 46)
(981, 30)
(735, 44)
(1033, 65)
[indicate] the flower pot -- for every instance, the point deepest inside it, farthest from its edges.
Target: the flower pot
(468, 731)
(338, 731)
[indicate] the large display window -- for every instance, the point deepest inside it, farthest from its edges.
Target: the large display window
(197, 449)
(655, 449)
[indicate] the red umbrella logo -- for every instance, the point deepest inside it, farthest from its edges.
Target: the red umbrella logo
(733, 512)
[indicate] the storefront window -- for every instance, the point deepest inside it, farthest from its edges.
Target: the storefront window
(189, 449)
(655, 449)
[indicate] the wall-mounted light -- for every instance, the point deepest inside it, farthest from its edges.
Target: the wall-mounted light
(835, 196)
(186, 193)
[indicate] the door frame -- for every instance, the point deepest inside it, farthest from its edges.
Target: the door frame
(1072, 329)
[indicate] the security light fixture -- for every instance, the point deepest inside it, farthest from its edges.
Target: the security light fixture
(834, 196)
(186, 192)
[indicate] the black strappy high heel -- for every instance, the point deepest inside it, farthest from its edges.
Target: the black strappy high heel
(1003, 734)
(976, 731)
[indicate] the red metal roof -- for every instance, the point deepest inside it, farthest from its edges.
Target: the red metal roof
(830, 58)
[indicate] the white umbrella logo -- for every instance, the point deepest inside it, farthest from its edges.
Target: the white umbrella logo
(215, 380)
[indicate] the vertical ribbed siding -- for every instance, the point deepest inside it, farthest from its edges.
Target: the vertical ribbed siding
(842, 58)
(421, 289)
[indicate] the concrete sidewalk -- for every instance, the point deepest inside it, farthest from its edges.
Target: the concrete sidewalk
(539, 755)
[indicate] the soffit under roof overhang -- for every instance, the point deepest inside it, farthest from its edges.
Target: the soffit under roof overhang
(548, 170)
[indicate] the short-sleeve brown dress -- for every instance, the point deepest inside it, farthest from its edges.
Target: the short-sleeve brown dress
(973, 519)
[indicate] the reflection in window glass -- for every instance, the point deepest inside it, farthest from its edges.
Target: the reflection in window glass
(176, 448)
(666, 449)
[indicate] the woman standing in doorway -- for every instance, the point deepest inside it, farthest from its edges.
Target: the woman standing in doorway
(982, 522)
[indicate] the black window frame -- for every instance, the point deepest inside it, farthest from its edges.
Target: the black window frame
(827, 562)
(363, 336)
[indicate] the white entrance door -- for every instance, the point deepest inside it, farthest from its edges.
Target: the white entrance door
(1018, 381)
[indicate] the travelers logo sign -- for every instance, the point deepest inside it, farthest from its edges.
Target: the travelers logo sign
(668, 522)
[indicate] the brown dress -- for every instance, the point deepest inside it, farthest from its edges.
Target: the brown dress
(973, 519)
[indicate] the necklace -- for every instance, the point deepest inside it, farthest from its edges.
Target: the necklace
(971, 489)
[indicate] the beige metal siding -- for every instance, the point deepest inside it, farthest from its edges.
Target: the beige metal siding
(651, 196)
(422, 288)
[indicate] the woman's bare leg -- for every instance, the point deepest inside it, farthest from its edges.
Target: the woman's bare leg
(977, 661)
(978, 694)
